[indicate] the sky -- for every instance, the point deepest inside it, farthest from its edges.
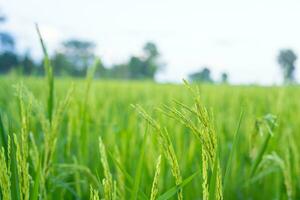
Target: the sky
(242, 38)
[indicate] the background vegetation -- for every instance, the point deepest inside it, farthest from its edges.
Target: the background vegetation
(103, 109)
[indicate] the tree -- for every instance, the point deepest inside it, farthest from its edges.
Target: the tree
(7, 41)
(224, 77)
(61, 64)
(201, 76)
(8, 60)
(101, 71)
(152, 65)
(286, 60)
(139, 67)
(80, 55)
(151, 50)
(27, 64)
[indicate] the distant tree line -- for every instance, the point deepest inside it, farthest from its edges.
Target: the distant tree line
(74, 57)
(286, 59)
(204, 76)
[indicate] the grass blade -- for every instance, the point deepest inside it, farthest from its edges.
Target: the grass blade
(213, 181)
(138, 174)
(50, 79)
(15, 190)
(260, 154)
(3, 135)
(232, 152)
(36, 186)
(154, 189)
(127, 175)
(171, 192)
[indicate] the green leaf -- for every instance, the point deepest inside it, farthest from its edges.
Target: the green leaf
(213, 181)
(139, 169)
(15, 190)
(171, 192)
(269, 121)
(3, 136)
(35, 192)
(126, 174)
(50, 79)
(232, 152)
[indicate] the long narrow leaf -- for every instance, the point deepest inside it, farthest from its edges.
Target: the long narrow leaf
(126, 174)
(50, 79)
(3, 136)
(138, 174)
(232, 152)
(260, 154)
(213, 181)
(171, 192)
(36, 186)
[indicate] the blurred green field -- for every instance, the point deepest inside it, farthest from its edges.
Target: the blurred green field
(104, 109)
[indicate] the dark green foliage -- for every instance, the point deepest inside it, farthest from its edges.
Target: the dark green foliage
(286, 60)
(8, 60)
(201, 76)
(224, 77)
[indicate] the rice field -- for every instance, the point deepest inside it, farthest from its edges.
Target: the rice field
(69, 138)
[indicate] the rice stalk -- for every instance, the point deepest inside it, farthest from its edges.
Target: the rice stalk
(94, 194)
(22, 147)
(204, 131)
(284, 166)
(4, 176)
(108, 185)
(52, 134)
(23, 170)
(167, 147)
(265, 124)
(120, 175)
(50, 78)
(154, 189)
(84, 110)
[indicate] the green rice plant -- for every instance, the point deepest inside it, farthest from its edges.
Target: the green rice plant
(22, 144)
(8, 169)
(205, 132)
(13, 166)
(109, 185)
(23, 170)
(50, 78)
(5, 175)
(171, 192)
(127, 176)
(232, 152)
(94, 195)
(28, 104)
(166, 146)
(79, 169)
(52, 133)
(294, 159)
(84, 110)
(3, 134)
(264, 124)
(154, 189)
(120, 175)
(138, 174)
(285, 168)
(56, 165)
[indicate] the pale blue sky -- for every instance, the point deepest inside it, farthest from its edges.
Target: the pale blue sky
(240, 37)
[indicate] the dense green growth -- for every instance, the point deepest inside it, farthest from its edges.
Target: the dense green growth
(138, 140)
